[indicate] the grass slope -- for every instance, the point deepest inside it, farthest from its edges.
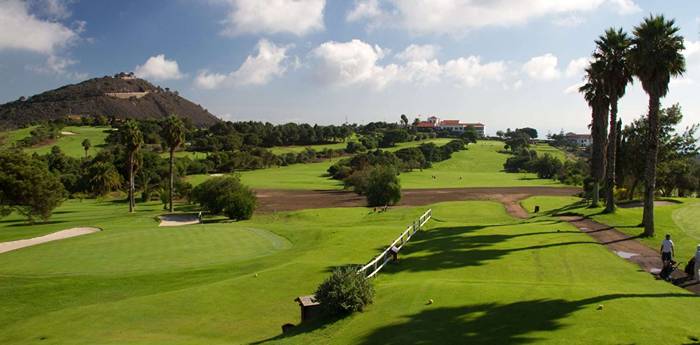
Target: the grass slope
(494, 280)
(680, 220)
(479, 166)
(70, 144)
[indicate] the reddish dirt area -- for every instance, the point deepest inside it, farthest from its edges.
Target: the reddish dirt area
(629, 248)
(271, 200)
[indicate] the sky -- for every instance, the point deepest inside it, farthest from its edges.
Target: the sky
(504, 63)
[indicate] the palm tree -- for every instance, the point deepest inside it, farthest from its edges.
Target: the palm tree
(86, 146)
(611, 51)
(173, 133)
(132, 139)
(655, 58)
(595, 94)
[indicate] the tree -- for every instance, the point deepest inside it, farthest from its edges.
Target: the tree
(227, 196)
(86, 146)
(173, 134)
(28, 187)
(404, 120)
(383, 187)
(132, 139)
(655, 57)
(612, 50)
(470, 135)
(344, 292)
(594, 93)
(103, 177)
(531, 132)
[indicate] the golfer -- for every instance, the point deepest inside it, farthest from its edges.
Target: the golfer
(394, 252)
(667, 250)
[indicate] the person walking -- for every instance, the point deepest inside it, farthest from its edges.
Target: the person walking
(667, 250)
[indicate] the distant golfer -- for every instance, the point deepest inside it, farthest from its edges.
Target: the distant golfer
(667, 250)
(199, 216)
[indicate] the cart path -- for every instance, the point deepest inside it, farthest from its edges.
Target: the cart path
(627, 247)
(272, 200)
(58, 235)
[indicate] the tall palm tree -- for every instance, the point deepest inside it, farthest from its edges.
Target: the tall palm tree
(86, 146)
(655, 58)
(595, 94)
(132, 139)
(612, 49)
(173, 133)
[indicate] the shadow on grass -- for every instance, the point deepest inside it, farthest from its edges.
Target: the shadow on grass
(452, 247)
(490, 323)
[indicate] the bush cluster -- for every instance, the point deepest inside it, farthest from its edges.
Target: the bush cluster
(547, 167)
(227, 196)
(345, 292)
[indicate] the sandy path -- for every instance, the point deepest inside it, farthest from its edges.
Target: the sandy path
(58, 235)
(178, 219)
(627, 247)
(271, 200)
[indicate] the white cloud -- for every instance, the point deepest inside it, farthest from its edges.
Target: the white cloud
(52, 9)
(357, 63)
(542, 67)
(569, 21)
(20, 30)
(260, 69)
(455, 16)
(255, 70)
(297, 17)
(471, 72)
(577, 66)
(159, 68)
(692, 49)
(209, 81)
(353, 62)
(416, 52)
(364, 9)
(573, 89)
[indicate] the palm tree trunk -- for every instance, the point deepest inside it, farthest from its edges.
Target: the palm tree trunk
(170, 193)
(595, 197)
(612, 152)
(131, 182)
(650, 168)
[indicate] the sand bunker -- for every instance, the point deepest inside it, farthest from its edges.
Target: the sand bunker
(178, 219)
(59, 235)
(216, 175)
(67, 133)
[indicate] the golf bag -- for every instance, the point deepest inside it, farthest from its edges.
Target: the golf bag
(690, 267)
(668, 270)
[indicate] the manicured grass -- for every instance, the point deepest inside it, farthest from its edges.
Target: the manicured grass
(71, 145)
(543, 149)
(681, 220)
(9, 137)
(493, 279)
(278, 150)
(479, 166)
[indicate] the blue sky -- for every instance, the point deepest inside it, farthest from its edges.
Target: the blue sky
(505, 63)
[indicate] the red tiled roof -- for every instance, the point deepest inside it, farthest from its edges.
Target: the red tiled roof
(425, 124)
(449, 122)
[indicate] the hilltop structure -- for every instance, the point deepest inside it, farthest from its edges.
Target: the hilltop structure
(579, 139)
(451, 125)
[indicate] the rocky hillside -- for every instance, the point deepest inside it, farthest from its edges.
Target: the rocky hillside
(120, 96)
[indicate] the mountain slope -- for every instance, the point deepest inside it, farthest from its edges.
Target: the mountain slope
(121, 96)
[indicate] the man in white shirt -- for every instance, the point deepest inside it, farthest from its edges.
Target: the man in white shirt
(667, 250)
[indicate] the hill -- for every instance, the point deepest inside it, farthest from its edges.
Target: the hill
(121, 96)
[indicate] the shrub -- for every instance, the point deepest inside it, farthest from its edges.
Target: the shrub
(546, 167)
(345, 292)
(383, 187)
(227, 196)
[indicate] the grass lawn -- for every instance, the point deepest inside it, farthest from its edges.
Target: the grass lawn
(72, 144)
(479, 166)
(9, 137)
(543, 149)
(681, 220)
(494, 280)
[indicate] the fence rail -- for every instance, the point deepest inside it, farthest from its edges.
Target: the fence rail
(374, 266)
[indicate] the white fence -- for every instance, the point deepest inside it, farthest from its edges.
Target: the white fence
(374, 266)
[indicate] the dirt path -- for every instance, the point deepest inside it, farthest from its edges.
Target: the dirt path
(59, 235)
(271, 200)
(626, 247)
